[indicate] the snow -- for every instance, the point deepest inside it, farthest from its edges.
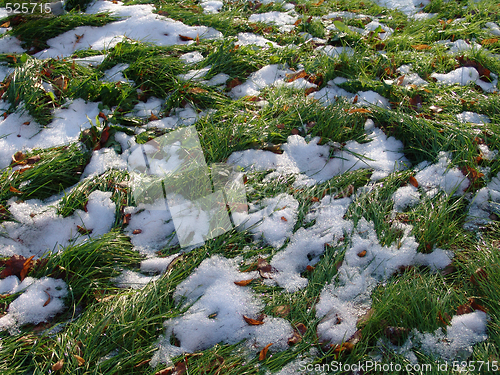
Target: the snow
(192, 57)
(335, 52)
(245, 39)
(38, 228)
(493, 28)
(216, 310)
(436, 260)
(41, 301)
(134, 280)
(161, 30)
(473, 117)
(408, 7)
(266, 76)
(103, 160)
(483, 204)
(440, 175)
(406, 196)
(211, 6)
(115, 74)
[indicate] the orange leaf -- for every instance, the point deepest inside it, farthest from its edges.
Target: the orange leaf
(58, 365)
(197, 90)
(362, 254)
(243, 282)
(413, 181)
(358, 110)
(185, 38)
(78, 38)
(318, 3)
(137, 231)
(263, 352)
(252, 322)
(103, 116)
(421, 47)
(12, 189)
(284, 218)
(295, 76)
(477, 306)
(296, 23)
(197, 39)
(5, 24)
(26, 267)
(309, 268)
(153, 117)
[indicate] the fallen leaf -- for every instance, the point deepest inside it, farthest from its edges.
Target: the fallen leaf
(295, 131)
(83, 230)
(252, 322)
(197, 39)
(103, 116)
(12, 189)
(358, 110)
(489, 41)
(477, 306)
(464, 309)
(441, 319)
(301, 328)
(310, 90)
(295, 76)
(165, 371)
(58, 365)
(137, 231)
(413, 181)
(233, 83)
(5, 24)
(80, 360)
(185, 38)
(395, 334)
(421, 47)
(284, 218)
(479, 275)
(263, 352)
(416, 102)
(282, 310)
(243, 282)
(78, 38)
(197, 90)
(153, 117)
(296, 338)
(280, 126)
(265, 269)
(309, 268)
(28, 263)
(362, 254)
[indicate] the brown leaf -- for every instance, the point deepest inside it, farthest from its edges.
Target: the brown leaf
(296, 23)
(421, 47)
(185, 38)
(13, 266)
(479, 275)
(252, 322)
(233, 83)
(103, 116)
(362, 254)
(33, 159)
(358, 110)
(265, 269)
(413, 181)
(126, 219)
(263, 352)
(48, 299)
(448, 270)
(12, 189)
(28, 263)
(295, 131)
(78, 38)
(309, 268)
(310, 90)
(489, 41)
(163, 13)
(243, 282)
(295, 76)
(477, 306)
(5, 24)
(416, 102)
(137, 231)
(197, 39)
(464, 309)
(484, 73)
(80, 360)
(58, 365)
(83, 230)
(395, 334)
(301, 328)
(296, 338)
(282, 310)
(284, 219)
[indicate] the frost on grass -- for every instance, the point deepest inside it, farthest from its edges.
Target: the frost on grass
(464, 76)
(312, 163)
(404, 197)
(307, 245)
(41, 301)
(215, 313)
(38, 228)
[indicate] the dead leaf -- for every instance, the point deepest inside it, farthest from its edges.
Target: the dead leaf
(476, 306)
(28, 263)
(153, 117)
(265, 269)
(416, 102)
(421, 47)
(362, 254)
(295, 76)
(395, 334)
(413, 181)
(484, 73)
(126, 219)
(145, 362)
(310, 90)
(263, 352)
(58, 365)
(12, 189)
(80, 360)
(301, 328)
(13, 266)
(442, 320)
(197, 39)
(5, 24)
(103, 116)
(284, 218)
(309, 268)
(464, 309)
(137, 231)
(185, 38)
(78, 38)
(243, 282)
(479, 275)
(358, 110)
(233, 83)
(489, 41)
(295, 131)
(252, 322)
(197, 90)
(296, 338)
